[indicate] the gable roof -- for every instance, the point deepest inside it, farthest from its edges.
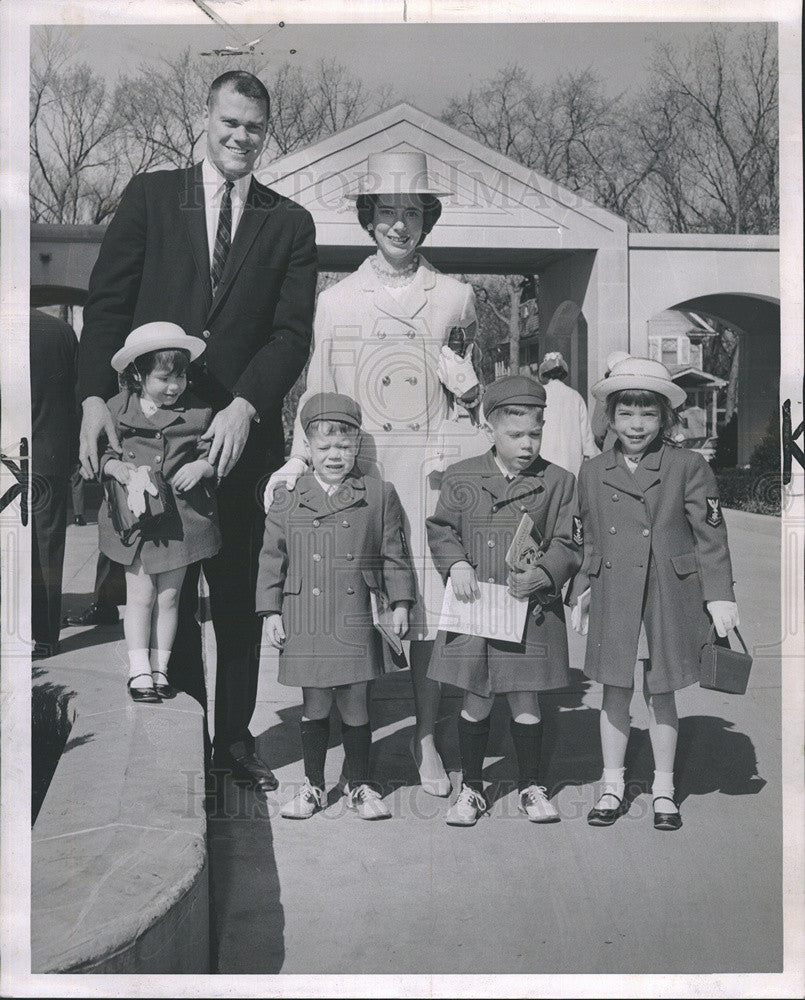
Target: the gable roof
(496, 199)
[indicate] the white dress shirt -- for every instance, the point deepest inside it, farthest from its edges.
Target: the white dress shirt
(214, 183)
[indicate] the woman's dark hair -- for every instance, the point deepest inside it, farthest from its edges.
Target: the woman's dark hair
(431, 210)
(172, 361)
(643, 397)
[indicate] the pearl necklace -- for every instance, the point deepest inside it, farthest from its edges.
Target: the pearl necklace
(397, 278)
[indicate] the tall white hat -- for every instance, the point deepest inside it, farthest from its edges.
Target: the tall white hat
(397, 172)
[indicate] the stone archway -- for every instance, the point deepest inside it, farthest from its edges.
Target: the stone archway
(757, 321)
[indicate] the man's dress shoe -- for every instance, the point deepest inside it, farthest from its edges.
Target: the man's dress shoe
(95, 614)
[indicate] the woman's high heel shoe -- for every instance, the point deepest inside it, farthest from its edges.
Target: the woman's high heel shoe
(441, 786)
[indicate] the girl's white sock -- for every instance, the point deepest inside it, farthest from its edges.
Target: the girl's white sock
(663, 784)
(159, 661)
(612, 782)
(139, 664)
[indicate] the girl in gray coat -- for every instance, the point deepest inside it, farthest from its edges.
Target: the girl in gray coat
(655, 556)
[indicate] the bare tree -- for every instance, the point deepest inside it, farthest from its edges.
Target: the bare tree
(571, 132)
(73, 122)
(711, 122)
(308, 106)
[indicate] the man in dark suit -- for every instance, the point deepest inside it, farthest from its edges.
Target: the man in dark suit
(54, 437)
(233, 262)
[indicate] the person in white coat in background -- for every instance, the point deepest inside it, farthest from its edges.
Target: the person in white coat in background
(567, 438)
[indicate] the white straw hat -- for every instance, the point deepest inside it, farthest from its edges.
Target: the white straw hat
(159, 336)
(615, 358)
(640, 373)
(398, 173)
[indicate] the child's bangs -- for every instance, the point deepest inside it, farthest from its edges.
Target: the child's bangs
(637, 397)
(173, 361)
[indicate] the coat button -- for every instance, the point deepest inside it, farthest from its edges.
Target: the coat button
(316, 592)
(491, 543)
(386, 380)
(523, 510)
(615, 496)
(608, 564)
(349, 557)
(642, 499)
(412, 380)
(316, 523)
(381, 335)
(414, 427)
(131, 454)
(350, 590)
(386, 427)
(157, 459)
(345, 524)
(491, 579)
(158, 434)
(410, 335)
(646, 532)
(613, 530)
(316, 557)
(206, 334)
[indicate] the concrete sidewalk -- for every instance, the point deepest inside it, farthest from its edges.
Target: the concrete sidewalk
(335, 894)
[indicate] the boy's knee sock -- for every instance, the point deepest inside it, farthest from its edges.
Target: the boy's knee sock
(315, 736)
(527, 737)
(472, 740)
(357, 745)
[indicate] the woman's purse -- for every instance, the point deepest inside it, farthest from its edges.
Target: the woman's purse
(722, 668)
(124, 520)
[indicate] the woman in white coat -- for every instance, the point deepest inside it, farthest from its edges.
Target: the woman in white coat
(380, 336)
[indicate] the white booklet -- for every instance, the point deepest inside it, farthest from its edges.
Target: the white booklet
(496, 614)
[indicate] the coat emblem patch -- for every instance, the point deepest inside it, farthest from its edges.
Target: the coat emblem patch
(578, 531)
(714, 517)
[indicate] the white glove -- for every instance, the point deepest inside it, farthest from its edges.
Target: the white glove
(456, 373)
(724, 615)
(580, 613)
(138, 485)
(287, 474)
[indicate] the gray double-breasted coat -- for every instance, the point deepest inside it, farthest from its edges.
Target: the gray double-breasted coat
(165, 441)
(475, 520)
(322, 555)
(655, 550)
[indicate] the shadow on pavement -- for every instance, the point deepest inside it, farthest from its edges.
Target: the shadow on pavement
(247, 921)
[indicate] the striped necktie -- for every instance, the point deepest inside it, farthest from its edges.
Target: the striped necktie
(223, 237)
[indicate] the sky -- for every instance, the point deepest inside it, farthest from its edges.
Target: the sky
(426, 64)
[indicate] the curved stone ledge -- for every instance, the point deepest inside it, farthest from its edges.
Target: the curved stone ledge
(119, 879)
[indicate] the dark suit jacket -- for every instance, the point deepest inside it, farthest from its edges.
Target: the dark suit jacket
(54, 423)
(154, 265)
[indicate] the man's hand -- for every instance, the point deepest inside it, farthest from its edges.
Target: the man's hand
(399, 616)
(96, 420)
(525, 582)
(121, 471)
(190, 474)
(287, 474)
(275, 631)
(465, 582)
(228, 432)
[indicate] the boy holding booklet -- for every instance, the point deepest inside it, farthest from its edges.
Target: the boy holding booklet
(329, 543)
(481, 503)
